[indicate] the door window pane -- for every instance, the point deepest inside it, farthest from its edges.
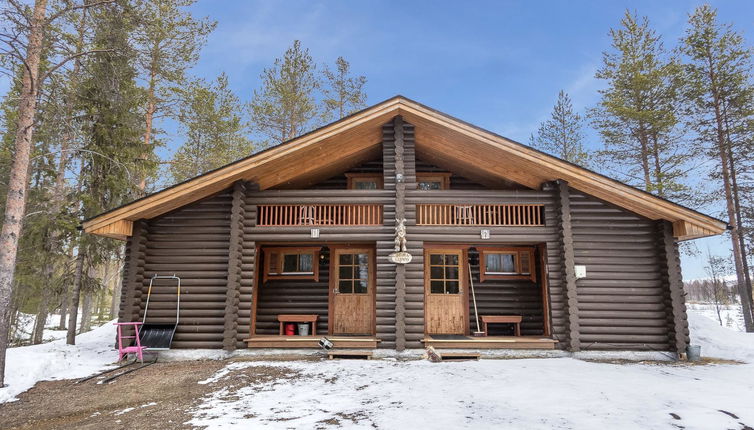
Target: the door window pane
(451, 287)
(360, 286)
(345, 272)
(345, 287)
(437, 287)
(444, 273)
(353, 269)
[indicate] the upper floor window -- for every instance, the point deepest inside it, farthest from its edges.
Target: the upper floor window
(291, 263)
(507, 263)
(432, 181)
(364, 181)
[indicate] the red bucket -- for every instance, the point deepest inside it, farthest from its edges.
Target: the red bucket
(290, 329)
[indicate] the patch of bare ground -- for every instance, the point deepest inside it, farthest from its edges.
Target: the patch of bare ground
(156, 397)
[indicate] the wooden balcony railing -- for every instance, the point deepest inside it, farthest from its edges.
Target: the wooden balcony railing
(319, 215)
(480, 215)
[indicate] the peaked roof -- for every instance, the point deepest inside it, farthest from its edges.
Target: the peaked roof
(440, 139)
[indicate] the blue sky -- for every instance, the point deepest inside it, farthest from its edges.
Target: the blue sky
(497, 64)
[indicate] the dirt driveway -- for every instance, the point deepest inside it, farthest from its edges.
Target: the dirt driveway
(132, 401)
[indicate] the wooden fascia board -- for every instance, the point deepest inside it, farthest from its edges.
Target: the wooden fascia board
(206, 185)
(581, 179)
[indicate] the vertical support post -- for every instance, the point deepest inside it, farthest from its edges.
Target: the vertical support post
(566, 232)
(672, 266)
(235, 251)
(400, 213)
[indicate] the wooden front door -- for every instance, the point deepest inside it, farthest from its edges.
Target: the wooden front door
(352, 291)
(445, 301)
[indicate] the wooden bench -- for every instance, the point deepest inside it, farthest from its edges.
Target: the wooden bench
(503, 319)
(298, 318)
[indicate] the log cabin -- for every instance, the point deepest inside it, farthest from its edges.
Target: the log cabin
(403, 227)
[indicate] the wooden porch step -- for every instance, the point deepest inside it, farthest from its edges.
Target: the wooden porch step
(345, 342)
(350, 355)
(459, 356)
(492, 342)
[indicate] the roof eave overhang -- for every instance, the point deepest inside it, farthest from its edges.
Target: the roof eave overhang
(687, 223)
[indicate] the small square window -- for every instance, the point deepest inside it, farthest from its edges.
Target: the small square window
(291, 263)
(507, 263)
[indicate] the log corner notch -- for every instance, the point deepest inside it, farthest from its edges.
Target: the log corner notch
(569, 261)
(235, 253)
(400, 212)
(672, 268)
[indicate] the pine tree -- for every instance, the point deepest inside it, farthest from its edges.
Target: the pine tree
(32, 29)
(562, 135)
(112, 127)
(719, 73)
(343, 94)
(168, 39)
(637, 116)
(285, 107)
(214, 130)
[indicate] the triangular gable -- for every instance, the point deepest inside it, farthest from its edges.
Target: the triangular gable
(440, 139)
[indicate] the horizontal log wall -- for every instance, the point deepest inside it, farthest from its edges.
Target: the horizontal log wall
(193, 242)
(507, 297)
(290, 296)
(626, 301)
(622, 302)
(547, 234)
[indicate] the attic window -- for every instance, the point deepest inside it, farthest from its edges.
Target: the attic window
(428, 181)
(364, 181)
(291, 263)
(507, 263)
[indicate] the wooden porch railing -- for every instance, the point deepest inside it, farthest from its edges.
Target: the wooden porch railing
(480, 215)
(319, 215)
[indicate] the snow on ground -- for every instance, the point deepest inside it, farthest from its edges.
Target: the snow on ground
(720, 342)
(559, 393)
(25, 365)
(26, 326)
(731, 315)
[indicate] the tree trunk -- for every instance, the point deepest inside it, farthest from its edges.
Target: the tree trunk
(739, 218)
(86, 312)
(63, 307)
(37, 335)
(15, 205)
(659, 186)
(721, 143)
(645, 160)
(149, 119)
(74, 312)
(117, 287)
